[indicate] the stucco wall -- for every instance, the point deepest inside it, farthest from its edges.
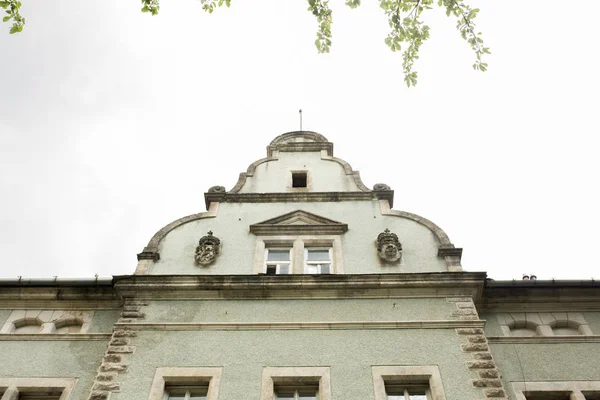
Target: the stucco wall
(299, 310)
(350, 354)
(53, 359)
(547, 362)
(323, 175)
(364, 221)
(103, 321)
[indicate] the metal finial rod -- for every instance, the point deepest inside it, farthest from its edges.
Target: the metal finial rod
(300, 111)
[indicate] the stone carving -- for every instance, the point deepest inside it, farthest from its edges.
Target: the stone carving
(217, 189)
(208, 249)
(381, 186)
(389, 247)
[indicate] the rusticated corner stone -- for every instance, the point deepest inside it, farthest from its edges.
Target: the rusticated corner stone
(469, 331)
(465, 305)
(99, 396)
(112, 358)
(131, 307)
(477, 339)
(468, 317)
(482, 356)
(496, 392)
(481, 364)
(475, 347)
(112, 368)
(106, 386)
(489, 374)
(487, 383)
(106, 377)
(464, 312)
(125, 333)
(119, 342)
(457, 299)
(120, 349)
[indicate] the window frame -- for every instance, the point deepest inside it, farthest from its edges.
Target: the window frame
(188, 376)
(296, 376)
(307, 263)
(426, 376)
(576, 389)
(268, 263)
(15, 386)
(298, 244)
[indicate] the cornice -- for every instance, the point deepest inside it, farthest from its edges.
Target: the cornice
(42, 337)
(444, 284)
(305, 197)
(543, 339)
(321, 325)
(80, 297)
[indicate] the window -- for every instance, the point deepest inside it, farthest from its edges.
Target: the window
(407, 383)
(299, 179)
(173, 392)
(296, 383)
(186, 383)
(405, 392)
(556, 390)
(278, 261)
(318, 261)
(28, 322)
(36, 388)
(296, 393)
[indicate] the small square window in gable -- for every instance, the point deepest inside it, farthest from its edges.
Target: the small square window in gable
(299, 179)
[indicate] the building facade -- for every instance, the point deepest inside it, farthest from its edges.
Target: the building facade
(300, 283)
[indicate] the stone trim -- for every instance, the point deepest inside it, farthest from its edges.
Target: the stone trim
(482, 363)
(349, 171)
(320, 325)
(575, 387)
(33, 337)
(15, 385)
(114, 360)
(244, 175)
(150, 253)
(191, 375)
(544, 339)
(290, 375)
(396, 285)
(542, 324)
(313, 225)
(419, 374)
(297, 244)
(48, 319)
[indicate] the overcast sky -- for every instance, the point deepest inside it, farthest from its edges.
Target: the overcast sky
(114, 123)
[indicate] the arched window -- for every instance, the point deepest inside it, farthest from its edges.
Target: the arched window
(522, 328)
(68, 325)
(563, 328)
(28, 325)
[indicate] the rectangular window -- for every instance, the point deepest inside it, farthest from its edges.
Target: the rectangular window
(296, 393)
(40, 394)
(405, 392)
(318, 261)
(299, 179)
(278, 261)
(173, 392)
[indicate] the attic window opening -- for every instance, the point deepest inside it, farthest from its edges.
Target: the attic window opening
(299, 179)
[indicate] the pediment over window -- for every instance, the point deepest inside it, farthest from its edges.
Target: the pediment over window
(299, 223)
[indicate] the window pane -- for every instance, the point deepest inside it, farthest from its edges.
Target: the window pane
(198, 397)
(325, 268)
(312, 269)
(176, 396)
(417, 396)
(318, 255)
(395, 397)
(271, 269)
(284, 269)
(278, 255)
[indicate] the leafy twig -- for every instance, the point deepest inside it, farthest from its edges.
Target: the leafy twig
(321, 10)
(11, 8)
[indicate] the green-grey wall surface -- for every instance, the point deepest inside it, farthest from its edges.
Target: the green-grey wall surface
(364, 219)
(421, 309)
(4, 314)
(547, 362)
(593, 320)
(492, 327)
(53, 359)
(324, 175)
(103, 321)
(350, 355)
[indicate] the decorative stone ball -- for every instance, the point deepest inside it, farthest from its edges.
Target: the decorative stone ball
(381, 186)
(217, 189)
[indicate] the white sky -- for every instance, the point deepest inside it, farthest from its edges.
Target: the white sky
(114, 123)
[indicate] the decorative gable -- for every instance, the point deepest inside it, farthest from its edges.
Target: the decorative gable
(299, 223)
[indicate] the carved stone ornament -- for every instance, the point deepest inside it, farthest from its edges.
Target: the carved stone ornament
(208, 249)
(381, 186)
(389, 247)
(217, 189)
